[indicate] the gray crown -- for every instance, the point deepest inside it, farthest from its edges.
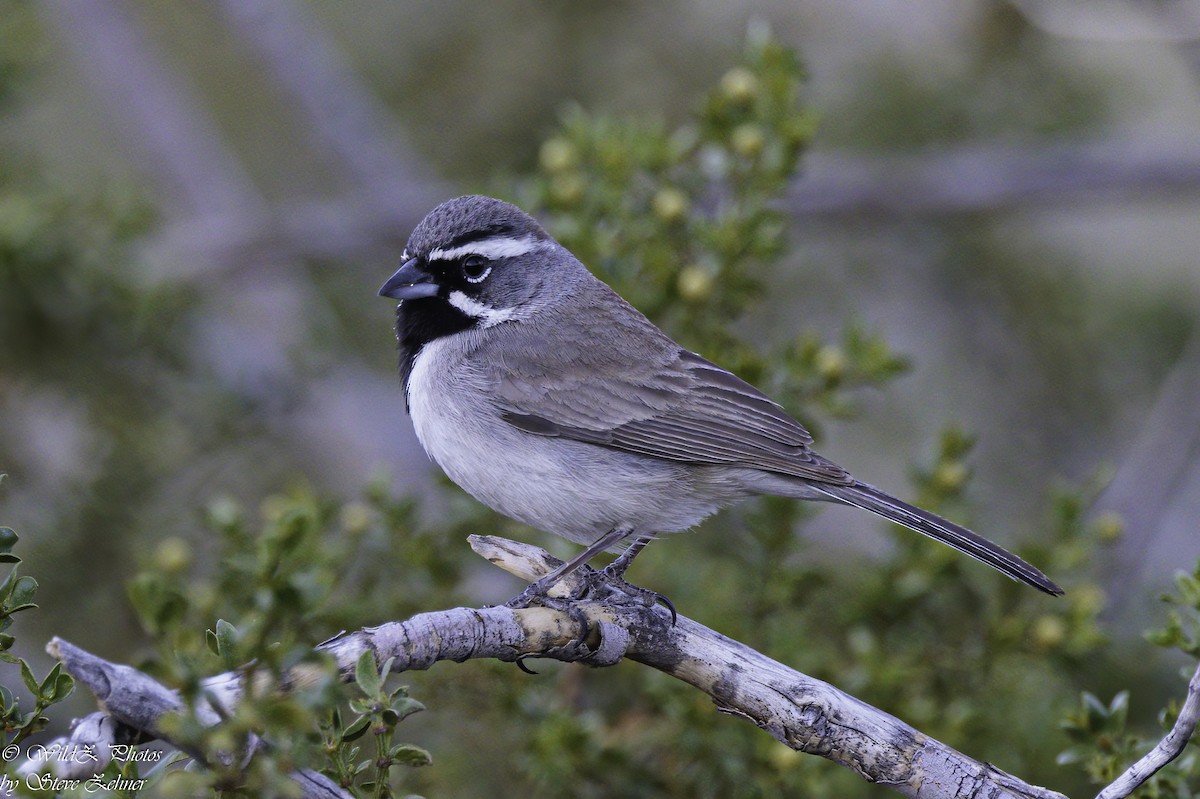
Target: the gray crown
(470, 218)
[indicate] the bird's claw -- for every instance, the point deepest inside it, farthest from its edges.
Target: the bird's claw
(520, 662)
(605, 583)
(534, 594)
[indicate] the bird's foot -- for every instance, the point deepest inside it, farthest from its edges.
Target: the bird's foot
(609, 583)
(535, 594)
(606, 584)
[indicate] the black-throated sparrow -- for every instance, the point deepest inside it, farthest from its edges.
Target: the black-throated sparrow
(549, 398)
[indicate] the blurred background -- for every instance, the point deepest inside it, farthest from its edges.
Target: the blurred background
(199, 201)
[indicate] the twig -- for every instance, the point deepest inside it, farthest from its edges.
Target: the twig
(1165, 751)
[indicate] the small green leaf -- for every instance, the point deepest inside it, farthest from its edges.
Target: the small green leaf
(6, 699)
(27, 676)
(8, 557)
(1069, 757)
(366, 674)
(48, 681)
(36, 723)
(6, 642)
(410, 755)
(8, 539)
(7, 585)
(1118, 708)
(1095, 711)
(1169, 636)
(356, 729)
(214, 646)
(227, 642)
(63, 687)
(23, 591)
(405, 707)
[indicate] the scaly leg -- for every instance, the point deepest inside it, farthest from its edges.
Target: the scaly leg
(538, 589)
(613, 576)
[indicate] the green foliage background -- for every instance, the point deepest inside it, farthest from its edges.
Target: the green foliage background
(684, 217)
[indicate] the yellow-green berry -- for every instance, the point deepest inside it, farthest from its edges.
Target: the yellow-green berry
(1110, 527)
(355, 517)
(1049, 631)
(695, 283)
(670, 204)
(739, 85)
(747, 140)
(173, 555)
(830, 363)
(950, 475)
(557, 154)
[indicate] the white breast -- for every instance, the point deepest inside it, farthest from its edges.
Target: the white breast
(461, 430)
(576, 490)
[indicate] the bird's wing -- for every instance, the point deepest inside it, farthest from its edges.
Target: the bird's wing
(657, 400)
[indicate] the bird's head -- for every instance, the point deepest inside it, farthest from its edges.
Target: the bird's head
(477, 262)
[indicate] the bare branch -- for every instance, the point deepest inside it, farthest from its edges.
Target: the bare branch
(806, 714)
(137, 702)
(1167, 749)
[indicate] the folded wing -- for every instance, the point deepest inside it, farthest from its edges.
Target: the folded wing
(678, 407)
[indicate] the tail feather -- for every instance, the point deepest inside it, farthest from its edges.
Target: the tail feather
(861, 495)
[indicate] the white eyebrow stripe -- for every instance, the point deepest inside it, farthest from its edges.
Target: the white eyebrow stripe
(492, 248)
(486, 314)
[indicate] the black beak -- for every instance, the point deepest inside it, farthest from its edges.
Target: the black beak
(409, 283)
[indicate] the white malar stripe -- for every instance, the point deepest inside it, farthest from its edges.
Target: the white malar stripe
(486, 315)
(493, 248)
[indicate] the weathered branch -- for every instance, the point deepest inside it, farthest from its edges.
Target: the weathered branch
(138, 704)
(1167, 749)
(806, 714)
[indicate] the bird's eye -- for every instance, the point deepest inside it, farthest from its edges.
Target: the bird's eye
(475, 268)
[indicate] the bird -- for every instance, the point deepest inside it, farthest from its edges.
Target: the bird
(545, 395)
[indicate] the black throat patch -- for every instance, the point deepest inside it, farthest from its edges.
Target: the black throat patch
(421, 321)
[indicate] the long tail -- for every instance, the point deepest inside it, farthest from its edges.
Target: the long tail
(861, 495)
